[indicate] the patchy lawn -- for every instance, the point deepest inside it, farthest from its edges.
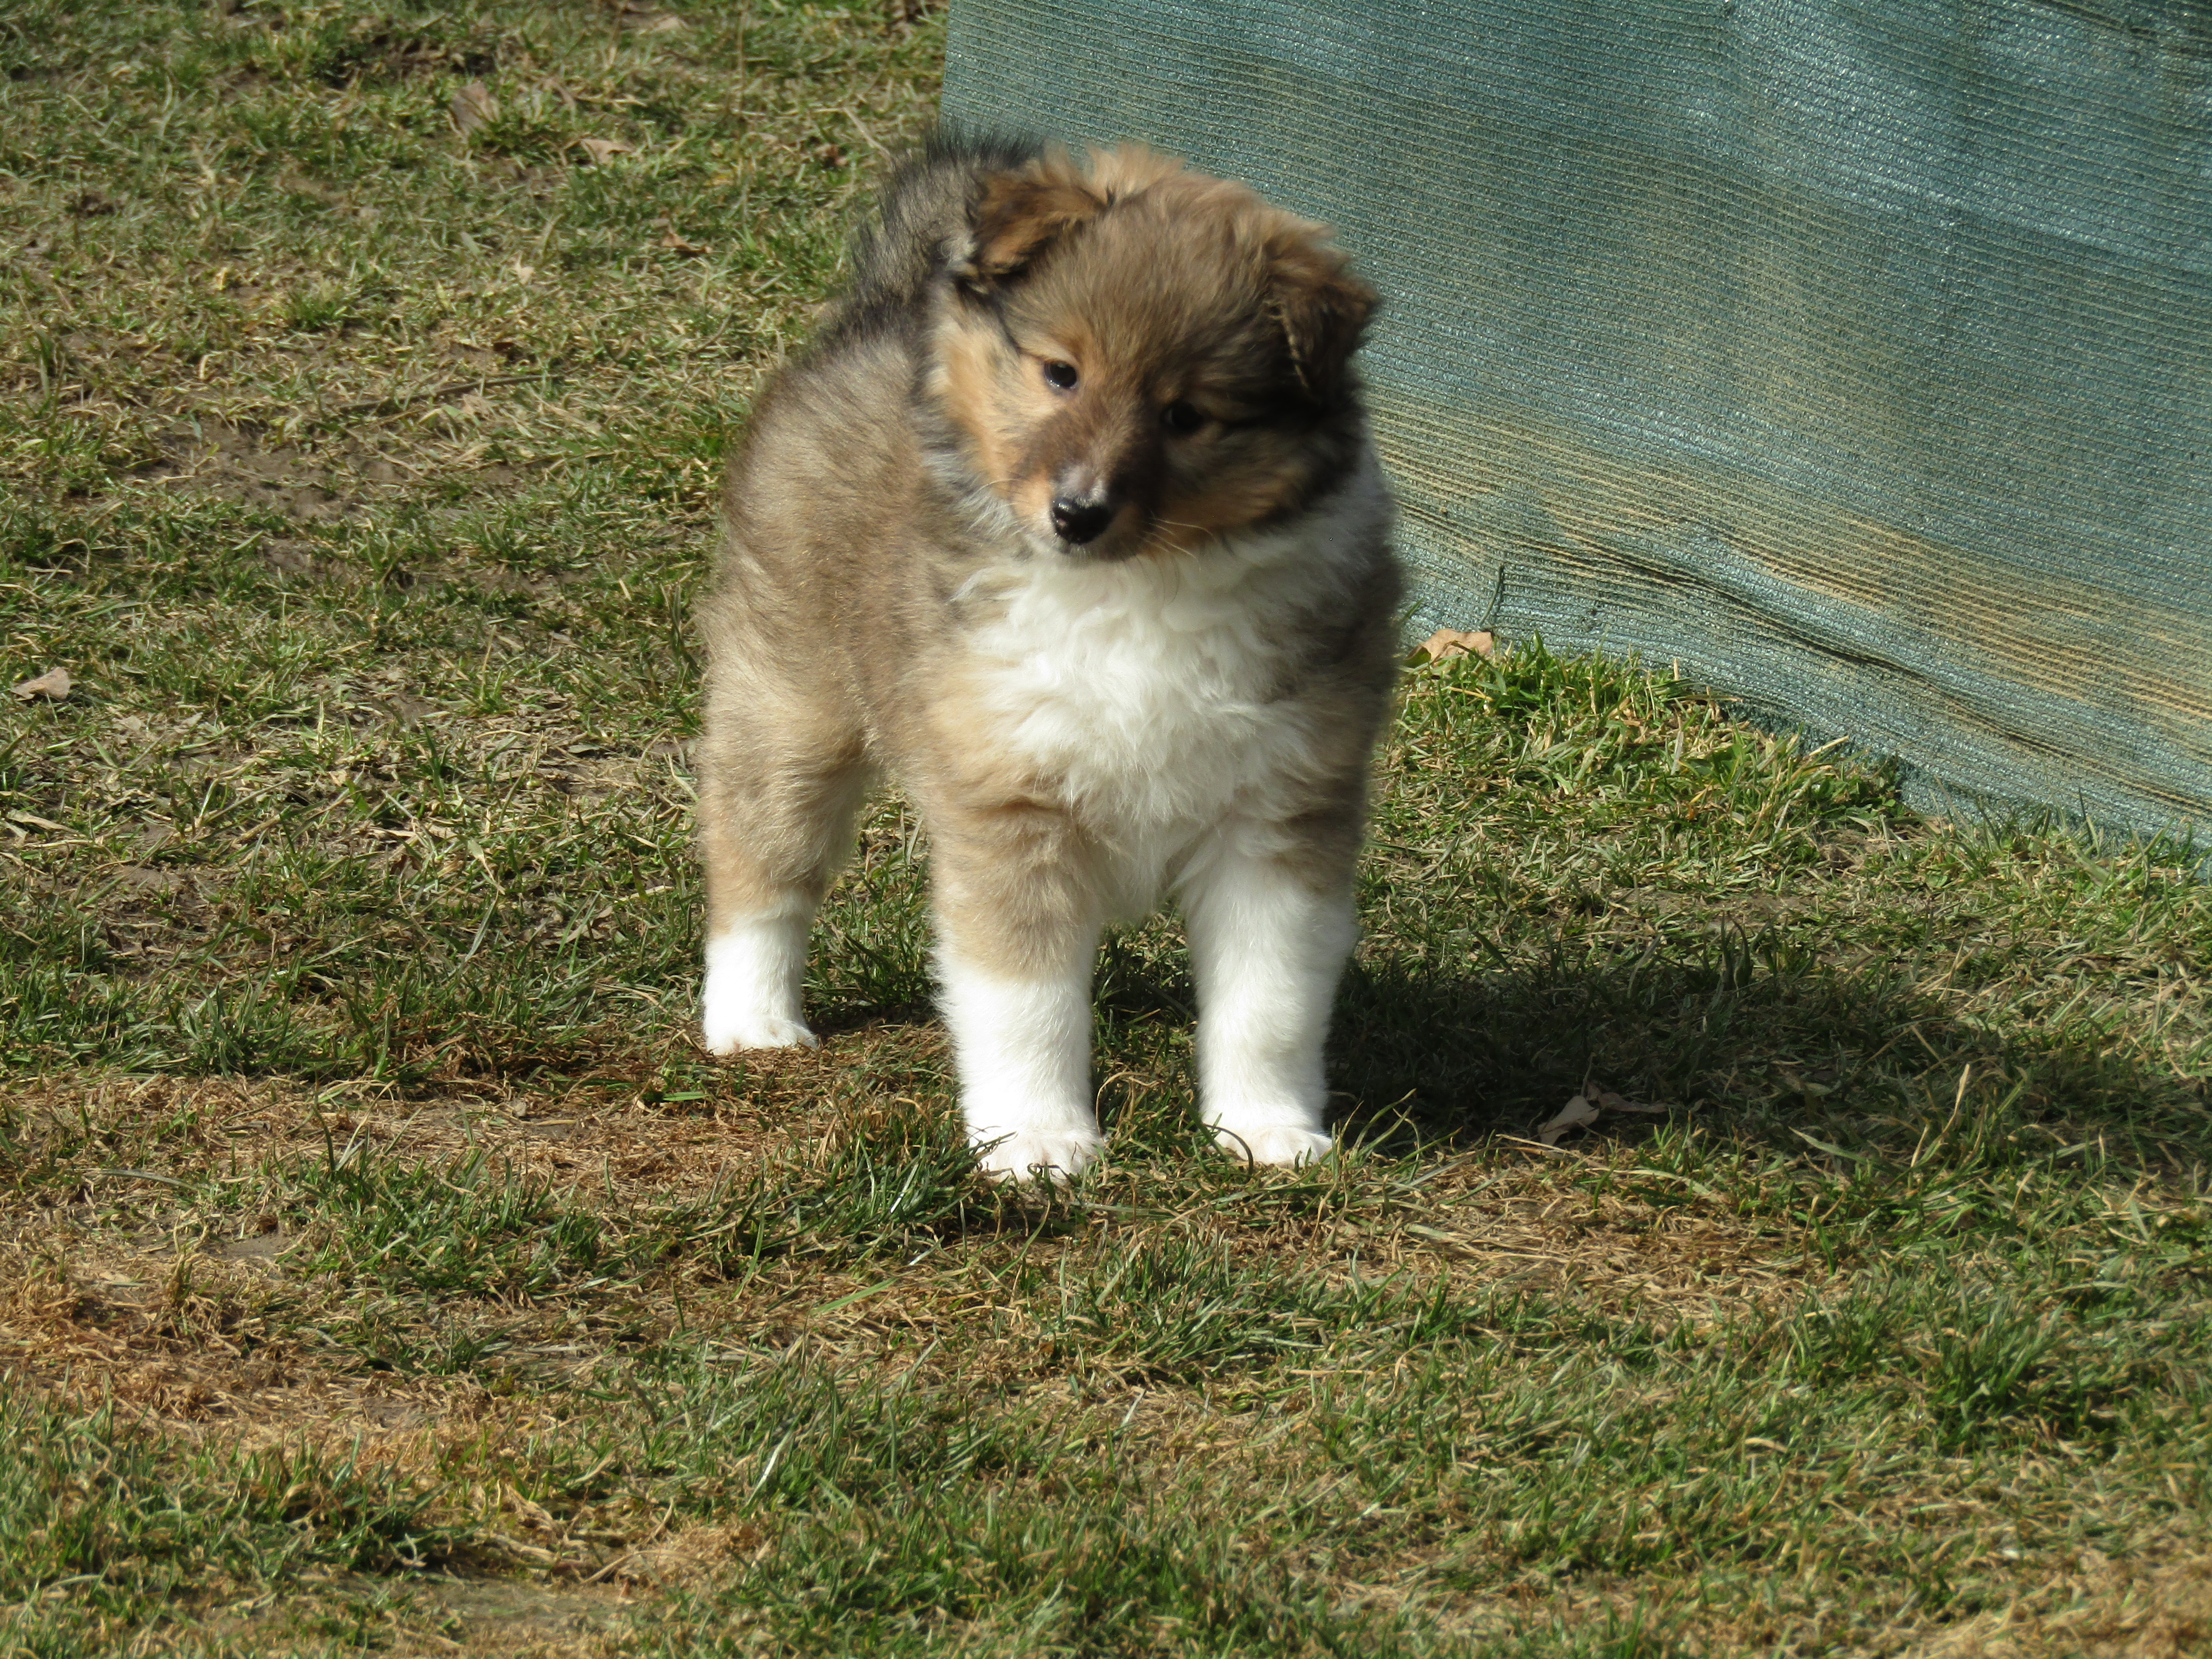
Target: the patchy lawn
(384, 1267)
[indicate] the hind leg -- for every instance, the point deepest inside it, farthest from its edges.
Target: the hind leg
(779, 789)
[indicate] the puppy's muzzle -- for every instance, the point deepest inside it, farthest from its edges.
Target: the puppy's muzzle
(1079, 520)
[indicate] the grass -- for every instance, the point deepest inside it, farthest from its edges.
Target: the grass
(385, 1269)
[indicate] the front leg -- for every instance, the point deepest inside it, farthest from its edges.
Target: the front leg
(1018, 934)
(1270, 928)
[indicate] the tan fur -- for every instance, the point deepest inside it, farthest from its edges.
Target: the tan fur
(893, 498)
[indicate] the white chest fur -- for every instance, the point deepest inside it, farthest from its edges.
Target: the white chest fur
(1149, 694)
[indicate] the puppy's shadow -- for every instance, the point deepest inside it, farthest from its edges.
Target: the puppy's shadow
(1745, 1031)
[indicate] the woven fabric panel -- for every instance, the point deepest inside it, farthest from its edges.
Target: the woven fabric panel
(1856, 356)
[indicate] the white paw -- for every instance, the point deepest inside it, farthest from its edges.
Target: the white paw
(1282, 1145)
(727, 1033)
(1027, 1156)
(750, 996)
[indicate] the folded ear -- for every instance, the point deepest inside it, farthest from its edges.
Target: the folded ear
(1018, 217)
(1323, 309)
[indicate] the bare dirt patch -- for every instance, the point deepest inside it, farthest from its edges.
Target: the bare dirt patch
(322, 484)
(234, 464)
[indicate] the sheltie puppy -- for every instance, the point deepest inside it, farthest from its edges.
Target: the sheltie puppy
(1070, 522)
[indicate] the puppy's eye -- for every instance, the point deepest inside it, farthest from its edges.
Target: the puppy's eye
(1062, 377)
(1180, 417)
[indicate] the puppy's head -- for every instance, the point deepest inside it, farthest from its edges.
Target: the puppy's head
(1142, 358)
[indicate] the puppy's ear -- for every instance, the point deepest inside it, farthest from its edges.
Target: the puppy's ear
(1323, 309)
(1015, 218)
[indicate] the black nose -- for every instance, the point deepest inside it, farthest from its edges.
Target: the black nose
(1080, 521)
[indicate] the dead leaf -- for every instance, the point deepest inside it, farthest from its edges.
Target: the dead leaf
(38, 822)
(1572, 1115)
(603, 150)
(676, 244)
(1448, 642)
(667, 24)
(53, 685)
(1613, 1103)
(472, 106)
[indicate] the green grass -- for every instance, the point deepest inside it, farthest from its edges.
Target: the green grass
(385, 1269)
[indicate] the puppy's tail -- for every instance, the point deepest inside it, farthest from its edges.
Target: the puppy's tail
(923, 209)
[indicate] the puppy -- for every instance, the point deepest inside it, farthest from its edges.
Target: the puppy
(1070, 520)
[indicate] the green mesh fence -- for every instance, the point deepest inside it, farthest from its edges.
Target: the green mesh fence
(1857, 357)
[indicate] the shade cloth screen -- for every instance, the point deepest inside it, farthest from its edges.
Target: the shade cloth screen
(1857, 357)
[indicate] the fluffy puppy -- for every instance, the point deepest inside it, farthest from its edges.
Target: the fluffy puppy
(1070, 520)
